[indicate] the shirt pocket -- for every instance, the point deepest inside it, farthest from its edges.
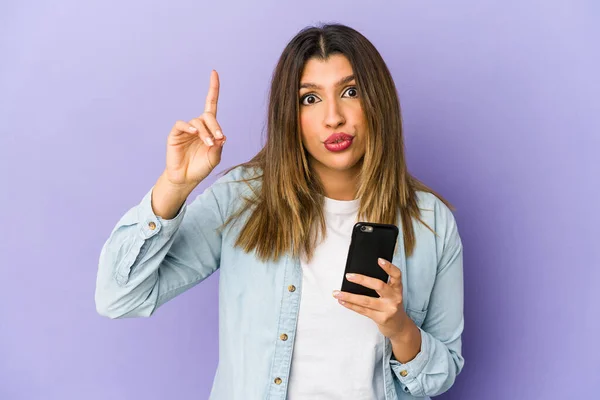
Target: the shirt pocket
(417, 316)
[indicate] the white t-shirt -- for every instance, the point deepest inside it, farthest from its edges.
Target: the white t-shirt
(337, 352)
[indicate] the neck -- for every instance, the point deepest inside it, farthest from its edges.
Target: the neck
(338, 185)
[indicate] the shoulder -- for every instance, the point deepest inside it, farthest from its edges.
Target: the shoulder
(439, 217)
(429, 202)
(235, 185)
(239, 174)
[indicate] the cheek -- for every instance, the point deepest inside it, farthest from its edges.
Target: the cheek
(305, 120)
(307, 128)
(358, 116)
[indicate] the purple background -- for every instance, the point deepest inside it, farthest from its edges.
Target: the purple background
(502, 115)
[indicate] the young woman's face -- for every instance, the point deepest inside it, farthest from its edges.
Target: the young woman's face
(332, 121)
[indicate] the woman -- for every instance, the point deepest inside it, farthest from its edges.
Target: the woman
(278, 228)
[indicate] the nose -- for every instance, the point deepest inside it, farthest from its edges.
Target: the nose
(334, 116)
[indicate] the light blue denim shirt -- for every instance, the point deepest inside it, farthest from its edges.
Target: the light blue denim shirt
(147, 261)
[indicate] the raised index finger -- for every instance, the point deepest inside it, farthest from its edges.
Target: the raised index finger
(213, 94)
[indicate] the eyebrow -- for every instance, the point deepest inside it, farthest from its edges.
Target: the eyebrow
(343, 81)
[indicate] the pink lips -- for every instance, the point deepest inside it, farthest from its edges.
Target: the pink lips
(338, 142)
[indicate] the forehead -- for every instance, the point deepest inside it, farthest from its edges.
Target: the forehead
(326, 72)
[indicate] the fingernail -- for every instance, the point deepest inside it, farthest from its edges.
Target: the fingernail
(335, 293)
(209, 141)
(192, 129)
(381, 261)
(218, 134)
(350, 276)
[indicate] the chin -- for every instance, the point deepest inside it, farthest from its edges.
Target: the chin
(342, 164)
(336, 162)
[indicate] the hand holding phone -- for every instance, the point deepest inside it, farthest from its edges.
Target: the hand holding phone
(369, 242)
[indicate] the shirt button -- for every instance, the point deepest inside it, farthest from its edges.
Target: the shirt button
(283, 337)
(152, 226)
(292, 288)
(278, 381)
(403, 373)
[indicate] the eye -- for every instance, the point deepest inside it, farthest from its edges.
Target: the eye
(352, 91)
(309, 99)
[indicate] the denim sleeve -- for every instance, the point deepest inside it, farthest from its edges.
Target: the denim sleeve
(147, 260)
(434, 370)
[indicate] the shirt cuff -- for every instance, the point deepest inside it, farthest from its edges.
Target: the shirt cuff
(151, 224)
(407, 373)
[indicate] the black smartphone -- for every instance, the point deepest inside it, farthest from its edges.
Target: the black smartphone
(369, 242)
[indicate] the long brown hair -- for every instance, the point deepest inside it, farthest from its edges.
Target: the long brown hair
(286, 210)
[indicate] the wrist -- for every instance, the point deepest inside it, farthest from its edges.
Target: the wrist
(407, 333)
(407, 343)
(175, 188)
(168, 198)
